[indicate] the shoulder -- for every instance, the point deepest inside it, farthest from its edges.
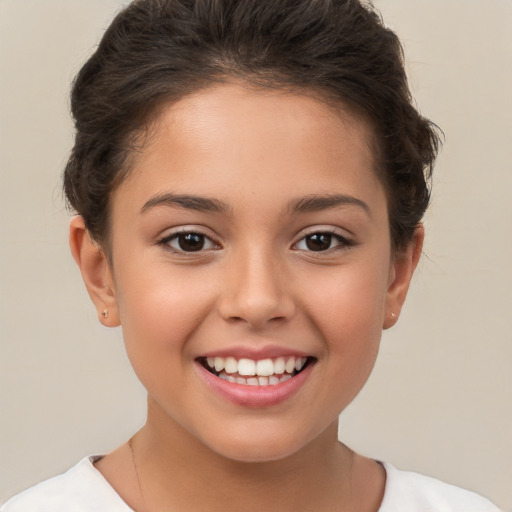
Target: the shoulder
(80, 489)
(411, 492)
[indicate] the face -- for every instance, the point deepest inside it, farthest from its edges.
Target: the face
(252, 270)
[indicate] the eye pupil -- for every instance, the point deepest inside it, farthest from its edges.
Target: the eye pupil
(191, 242)
(318, 241)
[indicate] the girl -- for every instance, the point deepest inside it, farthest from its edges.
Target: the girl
(250, 178)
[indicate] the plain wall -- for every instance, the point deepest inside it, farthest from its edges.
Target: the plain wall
(440, 398)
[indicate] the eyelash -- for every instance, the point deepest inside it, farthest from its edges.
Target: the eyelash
(166, 241)
(342, 242)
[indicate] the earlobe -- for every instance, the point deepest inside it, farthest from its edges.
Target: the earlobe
(96, 273)
(401, 273)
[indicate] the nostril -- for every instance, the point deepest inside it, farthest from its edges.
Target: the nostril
(258, 314)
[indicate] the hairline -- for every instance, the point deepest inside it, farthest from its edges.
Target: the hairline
(140, 137)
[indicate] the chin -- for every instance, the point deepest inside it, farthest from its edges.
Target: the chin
(255, 453)
(259, 445)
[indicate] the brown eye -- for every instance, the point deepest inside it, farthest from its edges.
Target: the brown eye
(188, 242)
(318, 241)
(322, 241)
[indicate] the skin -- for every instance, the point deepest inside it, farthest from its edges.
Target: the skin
(257, 283)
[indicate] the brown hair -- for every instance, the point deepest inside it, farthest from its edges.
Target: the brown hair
(157, 51)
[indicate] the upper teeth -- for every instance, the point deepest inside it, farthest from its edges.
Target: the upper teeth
(261, 367)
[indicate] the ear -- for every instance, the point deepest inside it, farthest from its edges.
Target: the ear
(96, 272)
(401, 271)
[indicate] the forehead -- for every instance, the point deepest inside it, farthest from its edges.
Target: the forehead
(257, 141)
(212, 115)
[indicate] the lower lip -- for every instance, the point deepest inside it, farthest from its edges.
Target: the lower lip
(255, 396)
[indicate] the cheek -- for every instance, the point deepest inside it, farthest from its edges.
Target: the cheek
(348, 309)
(353, 297)
(159, 312)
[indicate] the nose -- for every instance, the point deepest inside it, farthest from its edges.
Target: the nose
(256, 291)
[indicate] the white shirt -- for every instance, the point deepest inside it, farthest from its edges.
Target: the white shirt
(84, 489)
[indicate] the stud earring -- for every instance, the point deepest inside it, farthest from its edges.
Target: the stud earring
(393, 315)
(104, 313)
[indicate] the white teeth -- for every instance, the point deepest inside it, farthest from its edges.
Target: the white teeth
(279, 366)
(299, 363)
(246, 367)
(262, 372)
(265, 367)
(290, 365)
(231, 365)
(254, 381)
(219, 364)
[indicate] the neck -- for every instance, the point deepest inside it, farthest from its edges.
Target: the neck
(175, 468)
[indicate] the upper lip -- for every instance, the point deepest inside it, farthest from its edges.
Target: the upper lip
(256, 353)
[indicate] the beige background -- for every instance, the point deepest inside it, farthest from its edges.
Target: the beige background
(440, 399)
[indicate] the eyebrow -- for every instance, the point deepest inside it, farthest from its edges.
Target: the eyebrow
(190, 202)
(305, 204)
(318, 203)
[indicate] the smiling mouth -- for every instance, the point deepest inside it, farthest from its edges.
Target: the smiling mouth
(251, 372)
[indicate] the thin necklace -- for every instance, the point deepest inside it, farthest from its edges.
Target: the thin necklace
(134, 461)
(130, 444)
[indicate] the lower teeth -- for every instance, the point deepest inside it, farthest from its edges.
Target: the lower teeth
(255, 381)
